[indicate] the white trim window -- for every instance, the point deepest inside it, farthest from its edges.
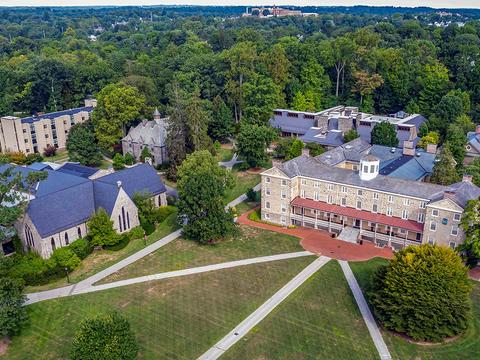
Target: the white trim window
(389, 211)
(330, 199)
(268, 192)
(433, 226)
(457, 217)
(359, 205)
(283, 195)
(316, 196)
(284, 182)
(302, 194)
(375, 196)
(423, 204)
(405, 214)
(267, 179)
(304, 181)
(390, 198)
(344, 189)
(267, 205)
(421, 217)
(453, 244)
(454, 230)
(316, 184)
(406, 202)
(343, 202)
(434, 212)
(331, 187)
(283, 220)
(266, 216)
(284, 208)
(431, 241)
(375, 208)
(359, 192)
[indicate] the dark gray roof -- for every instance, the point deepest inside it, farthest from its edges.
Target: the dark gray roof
(77, 169)
(351, 151)
(310, 167)
(331, 138)
(53, 115)
(298, 125)
(462, 192)
(474, 140)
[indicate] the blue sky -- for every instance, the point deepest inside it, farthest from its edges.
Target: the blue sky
(411, 3)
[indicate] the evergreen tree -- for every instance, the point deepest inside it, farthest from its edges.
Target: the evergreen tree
(384, 134)
(201, 190)
(221, 125)
(118, 162)
(197, 120)
(444, 172)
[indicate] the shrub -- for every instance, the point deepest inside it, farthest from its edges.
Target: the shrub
(12, 312)
(49, 151)
(123, 242)
(148, 227)
(171, 200)
(424, 292)
(31, 158)
(253, 196)
(118, 162)
(81, 247)
(129, 159)
(164, 212)
(66, 258)
(315, 149)
(101, 231)
(17, 157)
(105, 337)
(36, 271)
(136, 233)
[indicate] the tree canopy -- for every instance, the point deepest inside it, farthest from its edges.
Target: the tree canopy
(384, 133)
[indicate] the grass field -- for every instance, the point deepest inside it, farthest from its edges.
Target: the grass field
(60, 156)
(244, 182)
(245, 206)
(224, 154)
(466, 347)
(318, 321)
(183, 254)
(100, 260)
(173, 319)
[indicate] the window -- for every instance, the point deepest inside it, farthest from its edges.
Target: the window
(330, 199)
(433, 226)
(267, 205)
(266, 216)
(120, 223)
(284, 182)
(26, 140)
(372, 169)
(359, 192)
(402, 231)
(406, 202)
(454, 231)
(66, 239)
(374, 208)
(284, 208)
(405, 214)
(79, 232)
(283, 220)
(316, 184)
(375, 196)
(365, 169)
(123, 218)
(283, 195)
(46, 136)
(390, 198)
(444, 221)
(359, 205)
(45, 126)
(24, 131)
(344, 189)
(431, 241)
(434, 212)
(457, 217)
(302, 194)
(267, 192)
(355, 167)
(421, 217)
(267, 179)
(128, 220)
(453, 244)
(52, 242)
(304, 181)
(389, 211)
(331, 187)
(316, 196)
(343, 202)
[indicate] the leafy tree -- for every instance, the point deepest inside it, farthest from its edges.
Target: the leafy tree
(66, 258)
(221, 125)
(49, 151)
(456, 139)
(449, 108)
(282, 146)
(315, 149)
(432, 137)
(350, 135)
(261, 97)
(118, 106)
(444, 172)
(105, 337)
(474, 169)
(470, 225)
(295, 149)
(201, 190)
(424, 293)
(147, 212)
(82, 146)
(197, 120)
(252, 143)
(434, 82)
(118, 162)
(12, 312)
(385, 134)
(303, 103)
(343, 49)
(129, 159)
(145, 154)
(365, 83)
(100, 229)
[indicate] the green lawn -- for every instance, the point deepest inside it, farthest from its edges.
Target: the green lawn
(318, 321)
(244, 182)
(183, 254)
(466, 347)
(172, 319)
(245, 206)
(224, 154)
(102, 259)
(60, 156)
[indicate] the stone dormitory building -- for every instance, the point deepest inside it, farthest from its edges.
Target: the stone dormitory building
(61, 205)
(328, 127)
(35, 133)
(150, 134)
(384, 209)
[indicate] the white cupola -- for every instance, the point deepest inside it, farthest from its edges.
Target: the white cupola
(369, 167)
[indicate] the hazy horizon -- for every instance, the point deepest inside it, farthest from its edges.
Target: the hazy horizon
(405, 3)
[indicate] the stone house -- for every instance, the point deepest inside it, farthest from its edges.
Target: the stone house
(386, 210)
(472, 147)
(150, 134)
(61, 205)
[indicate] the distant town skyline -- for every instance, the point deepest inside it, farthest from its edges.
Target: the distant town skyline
(405, 3)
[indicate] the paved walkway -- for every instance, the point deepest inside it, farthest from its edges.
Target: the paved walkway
(262, 312)
(192, 271)
(231, 163)
(320, 242)
(366, 313)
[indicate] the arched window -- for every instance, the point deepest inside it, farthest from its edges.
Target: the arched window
(79, 232)
(120, 223)
(53, 244)
(123, 217)
(128, 220)
(66, 239)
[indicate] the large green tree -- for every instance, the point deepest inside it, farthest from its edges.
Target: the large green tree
(221, 125)
(119, 106)
(201, 191)
(82, 145)
(261, 97)
(252, 143)
(470, 224)
(424, 292)
(384, 133)
(13, 313)
(100, 229)
(444, 171)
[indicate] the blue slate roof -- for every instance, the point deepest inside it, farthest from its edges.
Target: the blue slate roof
(77, 169)
(105, 195)
(332, 138)
(474, 140)
(39, 166)
(53, 115)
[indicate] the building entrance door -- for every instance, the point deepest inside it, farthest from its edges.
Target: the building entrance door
(356, 224)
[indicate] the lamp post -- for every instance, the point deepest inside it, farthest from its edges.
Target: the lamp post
(68, 278)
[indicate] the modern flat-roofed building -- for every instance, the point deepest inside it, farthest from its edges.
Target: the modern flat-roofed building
(35, 133)
(328, 127)
(386, 210)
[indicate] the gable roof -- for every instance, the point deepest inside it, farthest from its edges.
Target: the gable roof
(53, 115)
(77, 169)
(149, 132)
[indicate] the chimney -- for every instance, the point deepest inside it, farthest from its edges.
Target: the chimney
(467, 178)
(477, 129)
(91, 102)
(119, 184)
(156, 114)
(431, 148)
(305, 151)
(276, 162)
(408, 148)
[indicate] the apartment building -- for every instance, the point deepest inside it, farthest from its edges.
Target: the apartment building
(328, 127)
(386, 210)
(35, 133)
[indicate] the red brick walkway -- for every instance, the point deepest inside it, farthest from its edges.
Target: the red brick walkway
(320, 242)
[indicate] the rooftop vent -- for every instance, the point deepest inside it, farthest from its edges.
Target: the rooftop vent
(119, 184)
(348, 146)
(392, 150)
(418, 154)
